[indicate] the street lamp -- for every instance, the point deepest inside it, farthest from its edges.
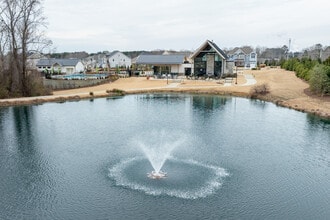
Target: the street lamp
(236, 74)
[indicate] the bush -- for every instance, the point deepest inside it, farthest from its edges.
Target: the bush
(4, 93)
(320, 79)
(33, 87)
(116, 91)
(300, 67)
(36, 86)
(262, 89)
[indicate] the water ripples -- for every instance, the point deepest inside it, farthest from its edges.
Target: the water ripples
(187, 179)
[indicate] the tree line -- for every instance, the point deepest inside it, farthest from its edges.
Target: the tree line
(21, 32)
(315, 72)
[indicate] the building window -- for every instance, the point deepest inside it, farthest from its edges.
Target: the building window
(253, 55)
(241, 56)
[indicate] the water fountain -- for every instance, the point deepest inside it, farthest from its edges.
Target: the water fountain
(158, 149)
(182, 178)
(157, 175)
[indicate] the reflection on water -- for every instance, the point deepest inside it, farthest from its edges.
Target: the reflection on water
(22, 118)
(55, 160)
(318, 122)
(3, 118)
(209, 103)
(27, 178)
(162, 97)
(259, 103)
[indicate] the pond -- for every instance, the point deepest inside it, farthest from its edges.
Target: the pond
(225, 157)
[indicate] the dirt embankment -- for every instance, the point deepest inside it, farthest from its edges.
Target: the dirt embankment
(289, 91)
(285, 90)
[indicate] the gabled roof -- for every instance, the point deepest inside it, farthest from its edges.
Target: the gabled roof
(245, 49)
(114, 53)
(213, 46)
(161, 59)
(62, 62)
(36, 56)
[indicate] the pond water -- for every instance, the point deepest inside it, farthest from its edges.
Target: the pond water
(234, 158)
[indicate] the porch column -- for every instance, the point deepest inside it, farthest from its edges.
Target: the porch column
(224, 63)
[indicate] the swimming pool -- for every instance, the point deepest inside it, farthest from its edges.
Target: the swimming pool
(82, 76)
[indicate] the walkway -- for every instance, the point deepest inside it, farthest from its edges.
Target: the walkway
(250, 80)
(173, 85)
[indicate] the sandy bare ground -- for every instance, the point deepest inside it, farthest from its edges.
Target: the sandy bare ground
(285, 89)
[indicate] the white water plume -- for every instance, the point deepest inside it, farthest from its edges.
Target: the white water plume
(158, 146)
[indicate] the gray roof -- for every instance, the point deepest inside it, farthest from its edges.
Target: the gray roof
(161, 59)
(62, 62)
(112, 53)
(245, 49)
(214, 46)
(109, 55)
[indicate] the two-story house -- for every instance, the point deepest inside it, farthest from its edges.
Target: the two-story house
(243, 57)
(118, 59)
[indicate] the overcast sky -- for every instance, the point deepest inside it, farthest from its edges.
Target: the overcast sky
(126, 25)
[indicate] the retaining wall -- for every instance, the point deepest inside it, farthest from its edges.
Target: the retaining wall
(58, 84)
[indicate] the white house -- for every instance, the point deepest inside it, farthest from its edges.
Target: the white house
(118, 59)
(96, 61)
(243, 57)
(63, 66)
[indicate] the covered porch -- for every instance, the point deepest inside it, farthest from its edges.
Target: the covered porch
(164, 66)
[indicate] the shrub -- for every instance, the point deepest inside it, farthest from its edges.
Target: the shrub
(116, 91)
(4, 93)
(320, 79)
(36, 86)
(262, 89)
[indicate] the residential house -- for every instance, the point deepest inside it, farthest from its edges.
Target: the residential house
(210, 61)
(274, 54)
(33, 59)
(62, 66)
(243, 57)
(95, 62)
(118, 59)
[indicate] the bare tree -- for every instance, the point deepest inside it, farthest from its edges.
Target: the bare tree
(22, 21)
(3, 43)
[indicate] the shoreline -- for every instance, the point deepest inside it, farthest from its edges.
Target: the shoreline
(286, 90)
